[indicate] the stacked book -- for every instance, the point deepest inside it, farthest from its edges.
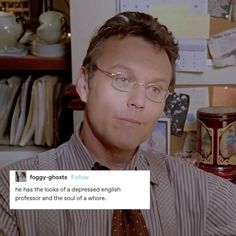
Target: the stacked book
(30, 110)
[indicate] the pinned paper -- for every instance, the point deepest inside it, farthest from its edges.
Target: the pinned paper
(192, 55)
(180, 19)
(180, 16)
(222, 48)
(219, 8)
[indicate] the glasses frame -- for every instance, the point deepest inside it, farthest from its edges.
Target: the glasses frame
(112, 76)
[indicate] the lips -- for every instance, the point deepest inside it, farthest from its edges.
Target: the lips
(130, 120)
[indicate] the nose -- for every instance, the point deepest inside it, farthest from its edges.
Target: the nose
(137, 97)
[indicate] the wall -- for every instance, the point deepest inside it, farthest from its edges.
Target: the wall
(85, 17)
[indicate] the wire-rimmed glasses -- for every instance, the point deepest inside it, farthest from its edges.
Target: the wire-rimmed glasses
(125, 83)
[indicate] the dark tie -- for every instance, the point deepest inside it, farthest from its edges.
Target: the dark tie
(126, 222)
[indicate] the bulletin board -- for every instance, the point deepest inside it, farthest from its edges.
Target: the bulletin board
(184, 13)
(214, 85)
(216, 25)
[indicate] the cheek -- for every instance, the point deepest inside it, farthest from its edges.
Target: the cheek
(102, 102)
(154, 111)
(152, 114)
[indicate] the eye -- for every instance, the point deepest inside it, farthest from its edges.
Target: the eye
(122, 80)
(154, 89)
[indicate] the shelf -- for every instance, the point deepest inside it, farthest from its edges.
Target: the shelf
(212, 76)
(34, 148)
(33, 63)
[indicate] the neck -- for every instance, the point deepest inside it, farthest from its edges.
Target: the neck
(111, 157)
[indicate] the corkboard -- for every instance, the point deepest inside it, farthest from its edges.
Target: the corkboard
(216, 26)
(223, 95)
(220, 25)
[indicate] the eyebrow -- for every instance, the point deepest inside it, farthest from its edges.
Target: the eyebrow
(119, 66)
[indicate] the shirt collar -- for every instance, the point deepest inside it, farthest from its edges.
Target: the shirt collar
(80, 156)
(144, 164)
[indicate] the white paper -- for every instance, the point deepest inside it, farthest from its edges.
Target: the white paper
(193, 55)
(142, 5)
(195, 6)
(222, 47)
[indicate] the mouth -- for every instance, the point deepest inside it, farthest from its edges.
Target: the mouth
(129, 120)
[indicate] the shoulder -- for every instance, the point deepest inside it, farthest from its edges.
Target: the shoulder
(182, 173)
(26, 164)
(49, 159)
(32, 163)
(23, 164)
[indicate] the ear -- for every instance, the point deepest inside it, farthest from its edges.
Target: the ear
(82, 85)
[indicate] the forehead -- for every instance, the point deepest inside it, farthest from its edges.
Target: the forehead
(138, 55)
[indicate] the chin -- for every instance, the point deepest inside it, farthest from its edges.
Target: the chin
(127, 146)
(127, 140)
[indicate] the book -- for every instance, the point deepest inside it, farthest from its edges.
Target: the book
(42, 126)
(20, 112)
(29, 128)
(9, 89)
(53, 92)
(40, 113)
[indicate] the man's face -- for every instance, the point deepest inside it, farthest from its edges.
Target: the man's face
(123, 120)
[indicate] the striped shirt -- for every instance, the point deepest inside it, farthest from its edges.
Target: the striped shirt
(204, 204)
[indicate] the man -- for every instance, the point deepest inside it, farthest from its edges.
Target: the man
(127, 74)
